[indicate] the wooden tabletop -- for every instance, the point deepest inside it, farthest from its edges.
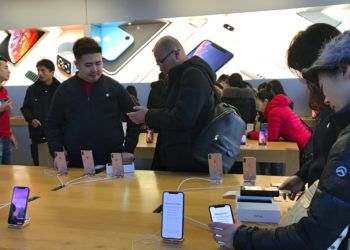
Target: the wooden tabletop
(108, 214)
(280, 152)
(18, 121)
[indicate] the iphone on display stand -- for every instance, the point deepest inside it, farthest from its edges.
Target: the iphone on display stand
(249, 169)
(17, 218)
(88, 162)
(173, 217)
(61, 163)
(117, 164)
(215, 167)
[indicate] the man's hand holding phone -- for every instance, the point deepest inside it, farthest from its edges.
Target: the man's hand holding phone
(224, 233)
(294, 184)
(6, 105)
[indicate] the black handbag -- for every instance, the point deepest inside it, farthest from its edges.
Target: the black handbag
(222, 133)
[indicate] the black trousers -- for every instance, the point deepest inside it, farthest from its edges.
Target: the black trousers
(34, 152)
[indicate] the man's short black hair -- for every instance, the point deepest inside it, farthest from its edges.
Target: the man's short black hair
(85, 45)
(47, 64)
(3, 59)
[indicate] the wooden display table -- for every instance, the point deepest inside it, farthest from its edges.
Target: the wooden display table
(109, 214)
(281, 152)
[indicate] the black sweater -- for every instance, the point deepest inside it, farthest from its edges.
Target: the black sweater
(78, 122)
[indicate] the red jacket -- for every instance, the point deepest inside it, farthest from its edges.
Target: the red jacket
(284, 122)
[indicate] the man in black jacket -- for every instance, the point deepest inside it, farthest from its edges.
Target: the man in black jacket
(189, 99)
(327, 223)
(36, 104)
(87, 110)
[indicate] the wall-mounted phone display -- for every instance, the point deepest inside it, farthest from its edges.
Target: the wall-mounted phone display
(213, 54)
(18, 43)
(113, 40)
(140, 33)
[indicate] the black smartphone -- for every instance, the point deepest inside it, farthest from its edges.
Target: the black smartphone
(18, 207)
(221, 213)
(212, 53)
(173, 216)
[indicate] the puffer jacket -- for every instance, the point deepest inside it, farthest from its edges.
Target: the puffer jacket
(284, 122)
(329, 211)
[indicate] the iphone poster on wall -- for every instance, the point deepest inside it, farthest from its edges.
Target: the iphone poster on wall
(23, 48)
(236, 42)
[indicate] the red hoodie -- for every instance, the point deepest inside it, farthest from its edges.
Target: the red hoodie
(284, 122)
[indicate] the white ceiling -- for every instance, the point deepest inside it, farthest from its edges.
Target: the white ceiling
(40, 13)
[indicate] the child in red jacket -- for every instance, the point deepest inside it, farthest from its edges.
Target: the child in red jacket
(282, 120)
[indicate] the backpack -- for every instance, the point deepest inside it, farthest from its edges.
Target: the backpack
(221, 133)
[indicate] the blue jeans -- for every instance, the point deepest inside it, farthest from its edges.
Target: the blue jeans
(5, 151)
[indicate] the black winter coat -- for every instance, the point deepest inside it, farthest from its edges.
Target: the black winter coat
(329, 211)
(189, 99)
(36, 105)
(78, 122)
(157, 95)
(323, 137)
(243, 99)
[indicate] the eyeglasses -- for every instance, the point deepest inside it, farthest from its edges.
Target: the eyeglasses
(164, 58)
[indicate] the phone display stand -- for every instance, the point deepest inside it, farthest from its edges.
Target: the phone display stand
(172, 241)
(25, 224)
(216, 179)
(248, 183)
(147, 241)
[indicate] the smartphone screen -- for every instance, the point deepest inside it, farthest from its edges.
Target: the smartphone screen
(212, 53)
(113, 40)
(173, 215)
(244, 138)
(18, 43)
(18, 207)
(262, 138)
(221, 213)
(88, 162)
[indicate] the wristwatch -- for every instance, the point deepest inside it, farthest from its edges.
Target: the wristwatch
(65, 58)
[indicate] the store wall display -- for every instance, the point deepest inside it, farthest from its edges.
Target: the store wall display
(141, 33)
(24, 47)
(212, 53)
(112, 39)
(253, 44)
(19, 42)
